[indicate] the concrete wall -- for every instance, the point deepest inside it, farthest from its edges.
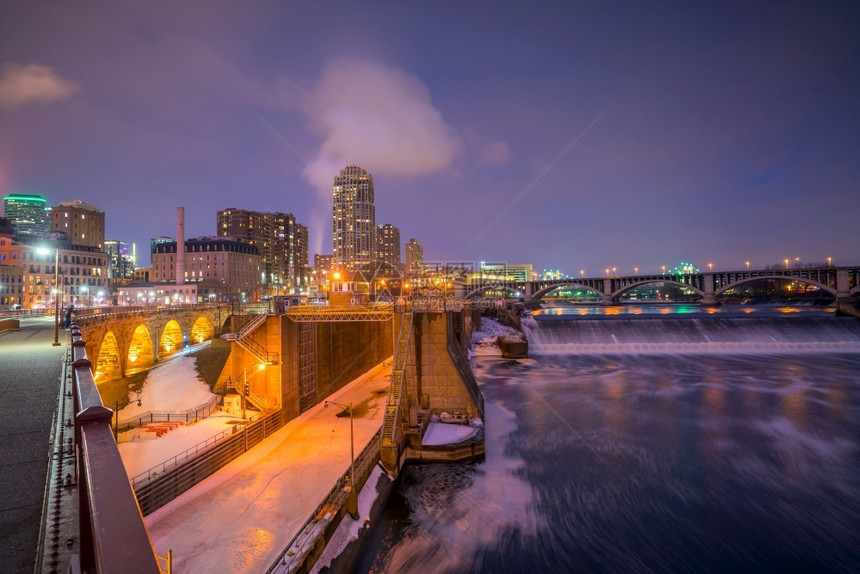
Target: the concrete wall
(343, 351)
(443, 381)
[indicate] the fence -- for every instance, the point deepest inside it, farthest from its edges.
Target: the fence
(157, 490)
(326, 516)
(189, 453)
(193, 414)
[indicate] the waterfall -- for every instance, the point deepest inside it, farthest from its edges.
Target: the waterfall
(691, 335)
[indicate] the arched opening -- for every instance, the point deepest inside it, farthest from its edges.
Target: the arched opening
(108, 367)
(171, 339)
(140, 355)
(571, 294)
(201, 331)
(785, 290)
(660, 292)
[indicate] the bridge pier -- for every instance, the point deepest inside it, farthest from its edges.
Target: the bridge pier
(607, 292)
(709, 299)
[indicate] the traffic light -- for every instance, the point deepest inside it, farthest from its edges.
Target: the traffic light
(247, 389)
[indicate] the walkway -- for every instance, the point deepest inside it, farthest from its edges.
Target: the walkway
(241, 518)
(29, 387)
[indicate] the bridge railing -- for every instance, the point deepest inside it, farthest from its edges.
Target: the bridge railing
(113, 536)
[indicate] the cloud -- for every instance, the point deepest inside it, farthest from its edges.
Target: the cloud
(494, 153)
(376, 116)
(21, 85)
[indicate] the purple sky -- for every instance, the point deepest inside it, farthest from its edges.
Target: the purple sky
(572, 135)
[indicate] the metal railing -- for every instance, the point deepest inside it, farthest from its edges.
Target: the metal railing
(187, 454)
(113, 537)
(158, 490)
(201, 411)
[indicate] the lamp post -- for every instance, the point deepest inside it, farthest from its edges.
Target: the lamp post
(352, 501)
(45, 251)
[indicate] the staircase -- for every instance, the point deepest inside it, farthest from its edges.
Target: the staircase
(242, 337)
(390, 426)
(237, 385)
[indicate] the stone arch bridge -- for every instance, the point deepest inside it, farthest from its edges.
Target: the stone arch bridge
(841, 282)
(123, 343)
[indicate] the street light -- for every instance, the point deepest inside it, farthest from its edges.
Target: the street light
(710, 266)
(352, 505)
(829, 260)
(748, 265)
(45, 251)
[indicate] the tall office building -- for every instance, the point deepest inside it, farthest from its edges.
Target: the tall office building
(29, 215)
(121, 259)
(414, 258)
(82, 224)
(280, 239)
(353, 219)
(388, 246)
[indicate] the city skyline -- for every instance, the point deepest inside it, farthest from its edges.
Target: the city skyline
(569, 136)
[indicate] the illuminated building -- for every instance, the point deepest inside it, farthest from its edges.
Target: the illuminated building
(82, 224)
(414, 258)
(388, 246)
(122, 259)
(282, 243)
(234, 264)
(28, 214)
(353, 219)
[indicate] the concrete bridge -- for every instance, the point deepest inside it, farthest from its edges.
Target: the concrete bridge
(122, 343)
(841, 282)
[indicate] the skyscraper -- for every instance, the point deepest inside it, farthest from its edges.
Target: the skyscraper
(121, 259)
(280, 239)
(28, 214)
(414, 258)
(353, 219)
(388, 246)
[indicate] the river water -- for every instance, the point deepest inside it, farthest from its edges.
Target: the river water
(728, 445)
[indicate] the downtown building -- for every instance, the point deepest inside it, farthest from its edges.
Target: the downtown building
(388, 248)
(353, 220)
(211, 269)
(65, 267)
(122, 259)
(282, 243)
(414, 258)
(29, 215)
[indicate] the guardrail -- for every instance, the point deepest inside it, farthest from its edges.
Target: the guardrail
(188, 454)
(201, 411)
(113, 537)
(158, 490)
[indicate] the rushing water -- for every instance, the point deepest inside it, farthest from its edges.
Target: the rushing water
(642, 461)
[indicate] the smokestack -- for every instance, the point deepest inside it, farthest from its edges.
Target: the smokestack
(180, 246)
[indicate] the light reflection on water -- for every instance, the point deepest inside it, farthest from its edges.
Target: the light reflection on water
(646, 464)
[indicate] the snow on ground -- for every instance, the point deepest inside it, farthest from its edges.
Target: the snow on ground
(347, 530)
(172, 386)
(141, 455)
(242, 517)
(486, 341)
(447, 433)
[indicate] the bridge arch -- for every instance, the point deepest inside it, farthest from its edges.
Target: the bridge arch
(619, 292)
(573, 284)
(477, 292)
(170, 340)
(109, 363)
(202, 330)
(821, 286)
(140, 350)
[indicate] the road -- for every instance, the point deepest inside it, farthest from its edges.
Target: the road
(29, 387)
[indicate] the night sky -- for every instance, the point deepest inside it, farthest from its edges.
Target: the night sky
(571, 135)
